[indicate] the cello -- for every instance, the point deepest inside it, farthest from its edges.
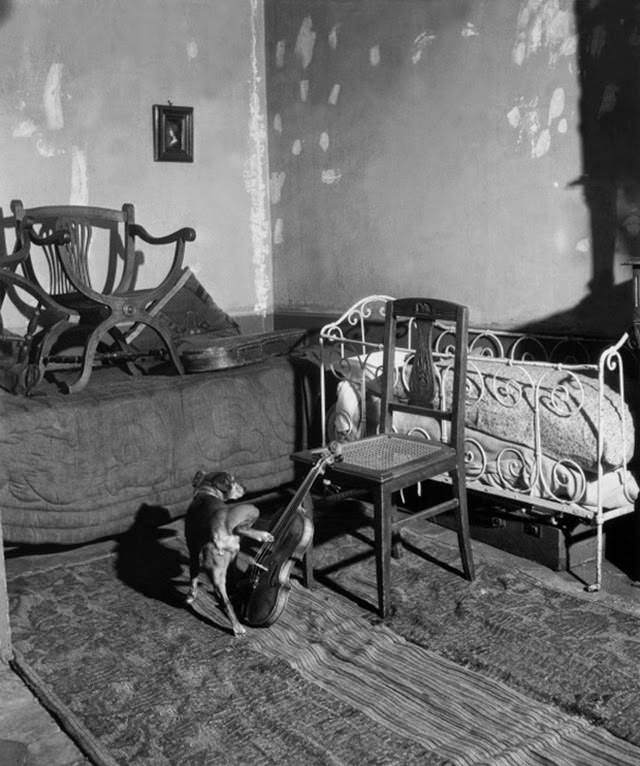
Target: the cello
(263, 593)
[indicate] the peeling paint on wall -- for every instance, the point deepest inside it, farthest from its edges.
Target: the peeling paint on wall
(305, 42)
(583, 246)
(79, 179)
(419, 44)
(335, 94)
(469, 30)
(275, 186)
(51, 98)
(277, 122)
(278, 237)
(556, 105)
(323, 141)
(304, 90)
(24, 129)
(45, 148)
(192, 50)
(296, 147)
(280, 50)
(374, 55)
(331, 176)
(542, 144)
(526, 119)
(544, 25)
(255, 177)
(514, 117)
(333, 37)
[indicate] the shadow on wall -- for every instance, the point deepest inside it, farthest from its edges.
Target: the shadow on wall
(609, 78)
(5, 9)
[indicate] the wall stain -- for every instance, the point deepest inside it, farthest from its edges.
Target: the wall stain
(254, 178)
(79, 179)
(51, 99)
(305, 42)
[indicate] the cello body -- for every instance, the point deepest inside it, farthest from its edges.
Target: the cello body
(267, 591)
(262, 596)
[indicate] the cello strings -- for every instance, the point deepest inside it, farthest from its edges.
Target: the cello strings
(295, 502)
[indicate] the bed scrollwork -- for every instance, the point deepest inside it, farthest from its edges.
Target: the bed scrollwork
(547, 420)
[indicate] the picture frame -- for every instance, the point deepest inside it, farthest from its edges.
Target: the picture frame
(172, 133)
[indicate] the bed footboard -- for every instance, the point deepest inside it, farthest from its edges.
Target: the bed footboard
(548, 424)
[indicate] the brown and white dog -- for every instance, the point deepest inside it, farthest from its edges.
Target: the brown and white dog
(213, 530)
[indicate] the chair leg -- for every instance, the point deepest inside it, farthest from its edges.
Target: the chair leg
(89, 353)
(462, 518)
(38, 355)
(122, 345)
(307, 559)
(168, 342)
(382, 510)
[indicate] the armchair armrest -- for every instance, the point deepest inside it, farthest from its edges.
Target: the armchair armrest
(186, 234)
(26, 238)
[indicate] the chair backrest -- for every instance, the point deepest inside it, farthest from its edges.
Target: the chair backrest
(420, 381)
(104, 231)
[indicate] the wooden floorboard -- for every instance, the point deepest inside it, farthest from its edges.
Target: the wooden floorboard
(29, 736)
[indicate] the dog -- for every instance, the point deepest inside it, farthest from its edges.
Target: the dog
(213, 530)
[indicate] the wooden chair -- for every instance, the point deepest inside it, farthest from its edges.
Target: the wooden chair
(389, 462)
(23, 374)
(101, 246)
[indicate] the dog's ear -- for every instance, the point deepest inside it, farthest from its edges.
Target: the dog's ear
(197, 479)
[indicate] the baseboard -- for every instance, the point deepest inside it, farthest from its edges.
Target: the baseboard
(305, 320)
(252, 323)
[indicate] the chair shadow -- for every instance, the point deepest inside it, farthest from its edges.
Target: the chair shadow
(350, 521)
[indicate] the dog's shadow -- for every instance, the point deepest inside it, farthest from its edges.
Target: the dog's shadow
(151, 558)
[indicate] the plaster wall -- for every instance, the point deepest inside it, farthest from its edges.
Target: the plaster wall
(78, 79)
(438, 147)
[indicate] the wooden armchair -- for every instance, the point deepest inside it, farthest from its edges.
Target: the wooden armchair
(63, 252)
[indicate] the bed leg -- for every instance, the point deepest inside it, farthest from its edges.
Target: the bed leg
(599, 554)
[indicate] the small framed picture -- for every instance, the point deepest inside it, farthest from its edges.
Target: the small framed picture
(172, 133)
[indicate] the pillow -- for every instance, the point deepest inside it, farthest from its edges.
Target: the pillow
(189, 311)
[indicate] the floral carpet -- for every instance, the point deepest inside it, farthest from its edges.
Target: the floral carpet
(497, 671)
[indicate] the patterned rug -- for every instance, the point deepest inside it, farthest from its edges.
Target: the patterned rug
(143, 681)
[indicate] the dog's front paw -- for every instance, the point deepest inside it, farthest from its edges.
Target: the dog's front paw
(264, 536)
(239, 630)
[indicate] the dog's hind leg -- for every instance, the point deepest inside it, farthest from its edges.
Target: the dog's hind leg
(220, 564)
(194, 571)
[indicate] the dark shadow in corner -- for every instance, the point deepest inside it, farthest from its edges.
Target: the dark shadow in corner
(609, 79)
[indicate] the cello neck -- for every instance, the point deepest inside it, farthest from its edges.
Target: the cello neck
(318, 468)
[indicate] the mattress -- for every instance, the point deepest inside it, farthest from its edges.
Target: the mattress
(81, 467)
